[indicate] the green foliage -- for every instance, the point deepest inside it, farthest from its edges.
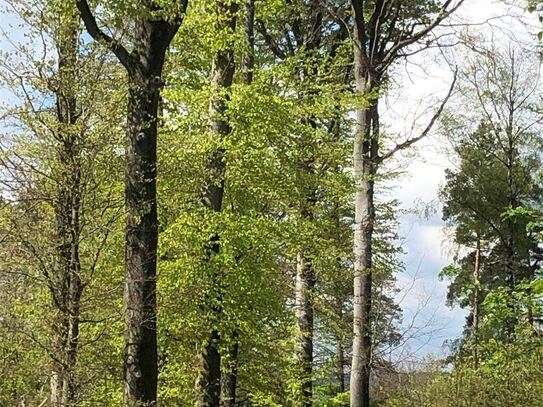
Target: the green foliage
(511, 378)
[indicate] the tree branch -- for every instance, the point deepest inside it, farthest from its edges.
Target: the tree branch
(95, 32)
(270, 42)
(413, 38)
(425, 132)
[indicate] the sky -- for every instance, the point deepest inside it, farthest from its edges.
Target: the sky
(427, 243)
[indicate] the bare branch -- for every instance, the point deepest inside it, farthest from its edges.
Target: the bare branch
(416, 36)
(411, 141)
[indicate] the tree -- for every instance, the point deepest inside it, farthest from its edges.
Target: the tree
(208, 384)
(382, 34)
(312, 32)
(154, 27)
(60, 210)
(487, 198)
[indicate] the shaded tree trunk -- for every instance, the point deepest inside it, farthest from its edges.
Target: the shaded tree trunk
(309, 40)
(144, 64)
(305, 286)
(208, 383)
(340, 351)
(510, 249)
(229, 379)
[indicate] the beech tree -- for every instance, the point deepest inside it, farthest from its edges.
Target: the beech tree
(222, 75)
(154, 27)
(49, 179)
(247, 135)
(383, 33)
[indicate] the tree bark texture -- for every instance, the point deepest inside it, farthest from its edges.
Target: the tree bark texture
(141, 233)
(144, 64)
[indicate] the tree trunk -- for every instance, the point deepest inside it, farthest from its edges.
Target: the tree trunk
(249, 60)
(65, 284)
(475, 303)
(208, 383)
(144, 64)
(340, 351)
(511, 255)
(305, 285)
(365, 167)
(140, 356)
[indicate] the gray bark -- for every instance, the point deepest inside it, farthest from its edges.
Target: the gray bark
(365, 167)
(475, 302)
(375, 48)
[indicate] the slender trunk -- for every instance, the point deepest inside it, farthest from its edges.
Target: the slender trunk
(305, 285)
(340, 365)
(65, 284)
(475, 303)
(365, 167)
(309, 41)
(512, 228)
(249, 62)
(230, 376)
(208, 383)
(340, 351)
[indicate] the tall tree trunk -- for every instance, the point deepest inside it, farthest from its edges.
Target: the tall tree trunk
(208, 383)
(144, 64)
(141, 235)
(65, 284)
(308, 41)
(140, 356)
(229, 379)
(363, 232)
(365, 168)
(475, 303)
(510, 249)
